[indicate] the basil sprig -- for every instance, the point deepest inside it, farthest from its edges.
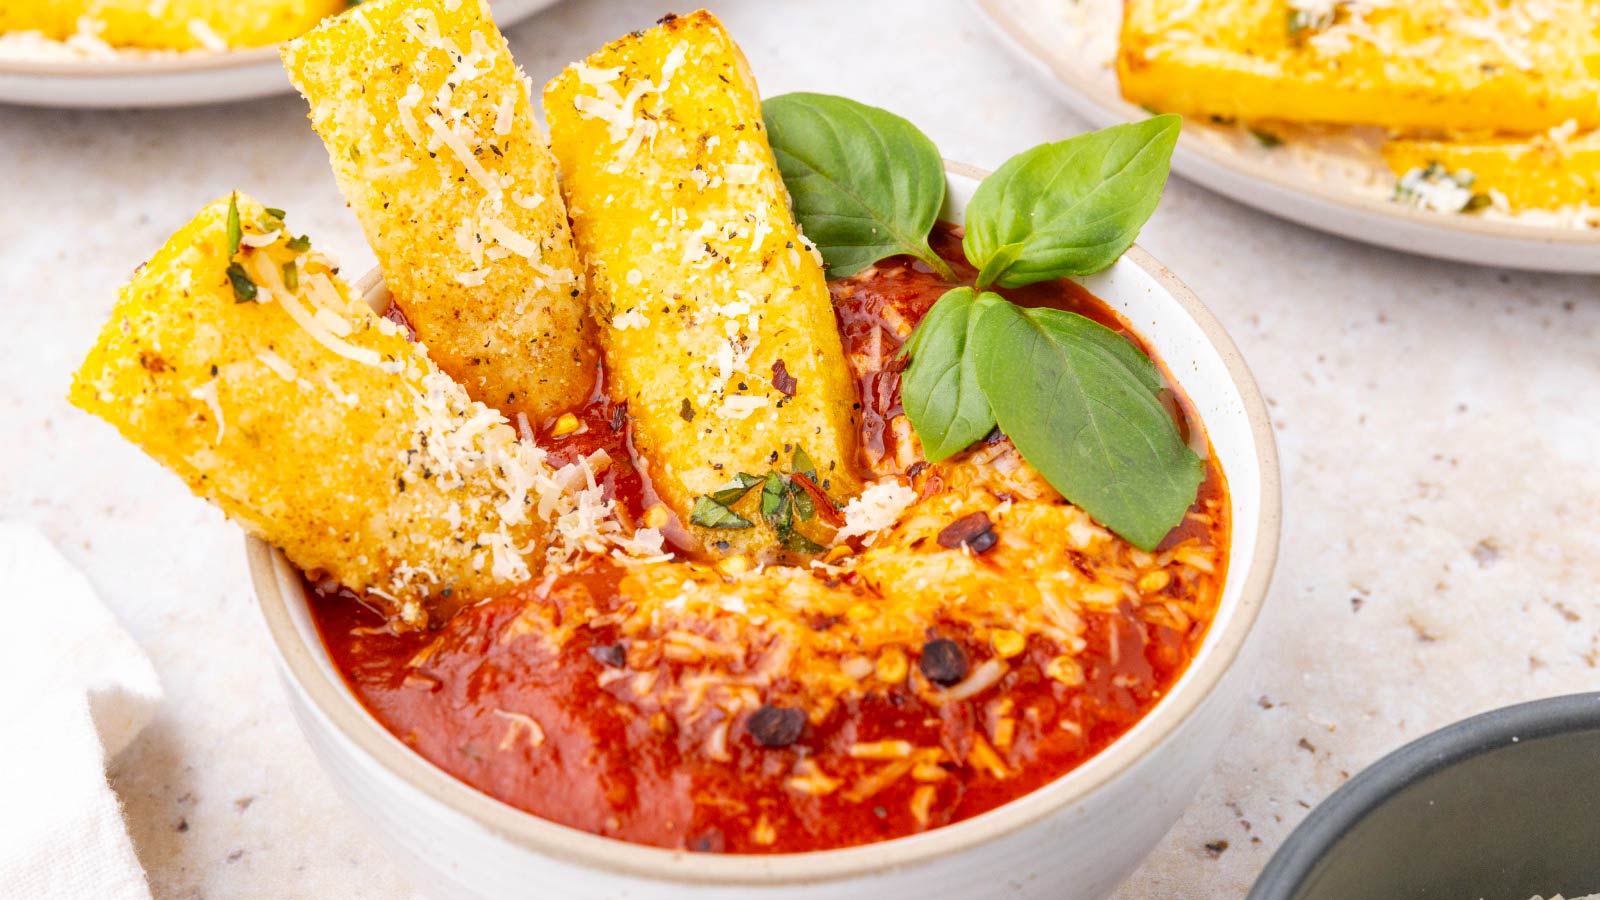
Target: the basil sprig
(1068, 208)
(866, 184)
(1081, 402)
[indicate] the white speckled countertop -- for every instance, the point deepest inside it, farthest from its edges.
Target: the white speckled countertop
(1436, 424)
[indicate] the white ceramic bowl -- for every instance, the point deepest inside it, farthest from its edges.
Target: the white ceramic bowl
(1073, 839)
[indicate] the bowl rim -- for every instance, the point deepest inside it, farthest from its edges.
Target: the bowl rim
(524, 829)
(1413, 762)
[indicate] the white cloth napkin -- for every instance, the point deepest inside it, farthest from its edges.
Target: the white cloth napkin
(74, 691)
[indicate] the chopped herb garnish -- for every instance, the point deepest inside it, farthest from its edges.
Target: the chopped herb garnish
(1266, 138)
(708, 513)
(235, 231)
(275, 212)
(795, 542)
(804, 507)
(299, 244)
(1437, 188)
(783, 499)
(803, 464)
(244, 290)
(734, 491)
(775, 505)
(1303, 20)
(291, 276)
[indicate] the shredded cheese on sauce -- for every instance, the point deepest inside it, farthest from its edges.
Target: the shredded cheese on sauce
(879, 507)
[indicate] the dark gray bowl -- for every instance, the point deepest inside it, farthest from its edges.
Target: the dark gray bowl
(1502, 806)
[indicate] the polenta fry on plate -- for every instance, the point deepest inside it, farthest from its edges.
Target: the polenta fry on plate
(1473, 104)
(1263, 126)
(1514, 66)
(211, 25)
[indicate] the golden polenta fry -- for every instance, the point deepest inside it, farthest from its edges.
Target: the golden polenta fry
(1505, 65)
(716, 322)
(55, 19)
(434, 142)
(1547, 171)
(206, 24)
(311, 421)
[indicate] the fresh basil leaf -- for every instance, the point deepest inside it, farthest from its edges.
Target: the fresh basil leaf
(939, 389)
(734, 491)
(1080, 403)
(708, 513)
(866, 184)
(235, 230)
(1074, 206)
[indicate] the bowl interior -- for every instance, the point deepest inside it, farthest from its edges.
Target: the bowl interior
(1501, 807)
(1200, 356)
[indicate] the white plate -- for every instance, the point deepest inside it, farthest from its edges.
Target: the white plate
(1336, 187)
(175, 79)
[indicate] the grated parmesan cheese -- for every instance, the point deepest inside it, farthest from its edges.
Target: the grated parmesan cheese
(879, 507)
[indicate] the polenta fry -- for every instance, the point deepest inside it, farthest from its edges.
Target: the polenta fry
(1504, 65)
(239, 360)
(1547, 171)
(205, 24)
(433, 140)
(55, 19)
(716, 321)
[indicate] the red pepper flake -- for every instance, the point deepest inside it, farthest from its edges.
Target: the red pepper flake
(819, 498)
(782, 380)
(975, 531)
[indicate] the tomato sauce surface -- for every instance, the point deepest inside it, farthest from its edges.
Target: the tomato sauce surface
(542, 728)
